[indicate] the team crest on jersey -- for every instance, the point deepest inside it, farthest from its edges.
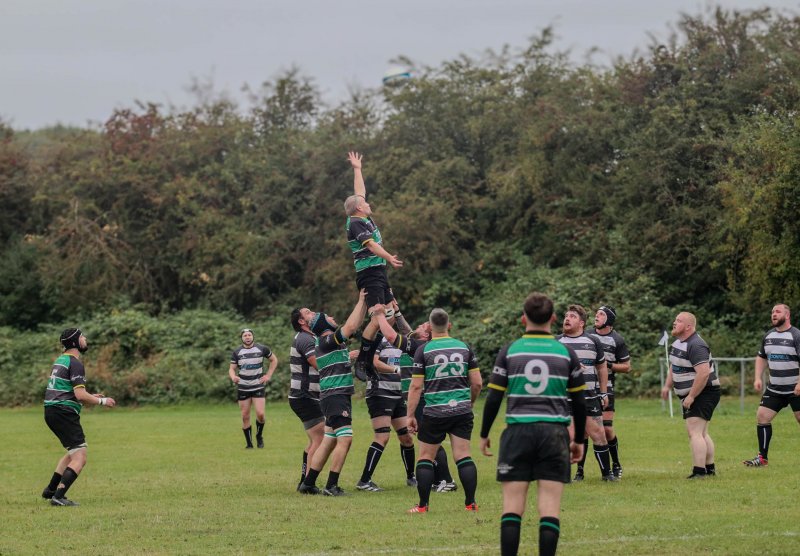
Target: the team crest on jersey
(452, 403)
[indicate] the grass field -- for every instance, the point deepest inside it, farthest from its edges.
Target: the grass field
(177, 480)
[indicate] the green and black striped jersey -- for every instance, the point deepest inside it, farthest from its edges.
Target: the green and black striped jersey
(68, 373)
(333, 363)
(360, 231)
(538, 372)
(408, 346)
(445, 364)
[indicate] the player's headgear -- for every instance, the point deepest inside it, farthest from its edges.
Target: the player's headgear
(320, 324)
(70, 339)
(611, 314)
(250, 330)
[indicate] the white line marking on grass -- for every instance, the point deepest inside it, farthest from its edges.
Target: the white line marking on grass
(654, 538)
(404, 550)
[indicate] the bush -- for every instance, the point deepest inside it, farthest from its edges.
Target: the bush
(141, 359)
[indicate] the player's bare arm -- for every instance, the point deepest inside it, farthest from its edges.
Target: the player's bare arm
(358, 183)
(758, 383)
(381, 252)
(618, 367)
(92, 399)
(273, 364)
(357, 316)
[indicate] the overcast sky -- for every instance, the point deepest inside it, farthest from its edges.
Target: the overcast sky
(75, 61)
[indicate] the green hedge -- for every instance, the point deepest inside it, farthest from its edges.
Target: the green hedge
(142, 359)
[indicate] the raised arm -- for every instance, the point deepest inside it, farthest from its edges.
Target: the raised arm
(357, 316)
(402, 325)
(358, 183)
(386, 329)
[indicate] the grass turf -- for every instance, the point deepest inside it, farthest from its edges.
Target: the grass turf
(177, 480)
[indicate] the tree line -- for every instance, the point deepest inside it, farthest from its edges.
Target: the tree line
(666, 181)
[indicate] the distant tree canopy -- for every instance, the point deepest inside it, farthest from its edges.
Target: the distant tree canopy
(680, 166)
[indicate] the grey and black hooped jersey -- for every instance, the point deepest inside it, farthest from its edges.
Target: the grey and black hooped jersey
(590, 352)
(67, 374)
(782, 352)
(408, 347)
(537, 372)
(684, 356)
(360, 231)
(445, 364)
(305, 378)
(250, 362)
(386, 385)
(616, 351)
(333, 363)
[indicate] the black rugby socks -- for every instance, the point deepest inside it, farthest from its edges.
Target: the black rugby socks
(67, 479)
(764, 433)
(54, 481)
(424, 480)
(613, 450)
(468, 474)
(549, 530)
(408, 456)
(442, 468)
(374, 454)
(510, 525)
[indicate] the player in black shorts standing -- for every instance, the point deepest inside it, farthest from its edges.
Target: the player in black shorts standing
(369, 255)
(408, 344)
(247, 372)
(697, 386)
(780, 351)
(336, 389)
(66, 393)
(304, 384)
(539, 374)
(387, 407)
(618, 360)
(590, 353)
(448, 372)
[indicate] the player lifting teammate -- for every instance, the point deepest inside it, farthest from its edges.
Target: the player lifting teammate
(336, 389)
(304, 384)
(387, 407)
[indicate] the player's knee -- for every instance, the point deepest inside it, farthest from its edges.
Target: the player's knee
(608, 423)
(402, 432)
